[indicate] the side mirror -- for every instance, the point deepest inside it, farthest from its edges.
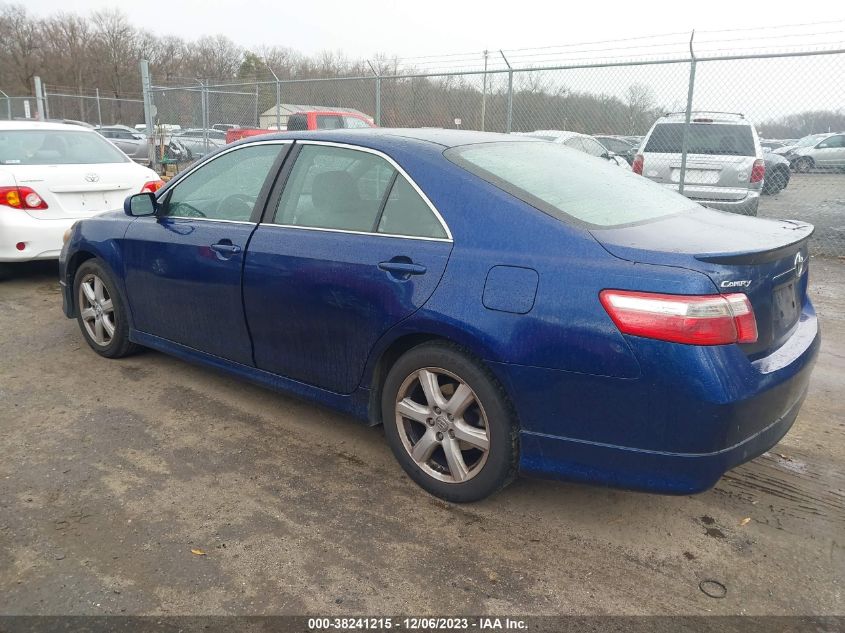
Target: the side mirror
(606, 155)
(140, 205)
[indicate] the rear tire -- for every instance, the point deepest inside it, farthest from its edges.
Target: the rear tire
(449, 423)
(101, 311)
(776, 182)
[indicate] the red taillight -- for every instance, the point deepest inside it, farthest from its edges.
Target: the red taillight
(758, 170)
(637, 165)
(21, 198)
(152, 186)
(689, 319)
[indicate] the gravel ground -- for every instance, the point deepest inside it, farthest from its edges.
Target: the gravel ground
(112, 472)
(817, 198)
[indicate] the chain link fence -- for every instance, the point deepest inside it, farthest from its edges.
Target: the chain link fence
(760, 134)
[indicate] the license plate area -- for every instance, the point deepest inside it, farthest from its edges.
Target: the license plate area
(697, 176)
(786, 307)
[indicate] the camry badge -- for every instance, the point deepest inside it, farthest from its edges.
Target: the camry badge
(739, 283)
(92, 177)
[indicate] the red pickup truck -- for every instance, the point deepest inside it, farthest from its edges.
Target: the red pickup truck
(311, 120)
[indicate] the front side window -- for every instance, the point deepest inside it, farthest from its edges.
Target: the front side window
(568, 187)
(225, 188)
(832, 142)
(351, 190)
(57, 147)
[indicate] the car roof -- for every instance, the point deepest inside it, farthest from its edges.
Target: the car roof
(384, 139)
(42, 125)
(558, 134)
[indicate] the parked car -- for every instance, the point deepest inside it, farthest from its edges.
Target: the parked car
(824, 153)
(51, 175)
(499, 303)
(200, 142)
(327, 120)
(771, 145)
(581, 142)
(133, 144)
(807, 141)
(777, 173)
(224, 127)
(725, 166)
(620, 146)
(311, 120)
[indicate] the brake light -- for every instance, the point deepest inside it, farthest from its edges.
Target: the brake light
(758, 170)
(21, 198)
(637, 165)
(688, 319)
(152, 186)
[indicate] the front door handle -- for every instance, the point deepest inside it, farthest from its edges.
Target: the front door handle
(225, 248)
(402, 269)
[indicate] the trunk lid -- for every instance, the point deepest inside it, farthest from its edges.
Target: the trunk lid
(765, 259)
(79, 191)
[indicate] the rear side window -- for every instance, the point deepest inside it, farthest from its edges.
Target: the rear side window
(55, 147)
(346, 189)
(329, 122)
(406, 213)
(353, 122)
(716, 139)
(569, 186)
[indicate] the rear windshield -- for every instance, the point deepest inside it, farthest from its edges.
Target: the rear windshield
(56, 147)
(704, 138)
(569, 185)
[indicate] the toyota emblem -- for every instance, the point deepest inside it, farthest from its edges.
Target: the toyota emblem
(799, 264)
(92, 177)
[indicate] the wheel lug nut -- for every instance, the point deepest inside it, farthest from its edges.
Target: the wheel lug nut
(430, 422)
(439, 436)
(437, 409)
(450, 416)
(451, 434)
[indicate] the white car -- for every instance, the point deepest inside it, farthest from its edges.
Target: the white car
(582, 142)
(51, 175)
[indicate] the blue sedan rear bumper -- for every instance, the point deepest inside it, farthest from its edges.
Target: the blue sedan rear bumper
(652, 435)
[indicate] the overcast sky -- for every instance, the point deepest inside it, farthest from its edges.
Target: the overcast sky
(423, 27)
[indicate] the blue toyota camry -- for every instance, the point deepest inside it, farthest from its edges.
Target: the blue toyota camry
(500, 304)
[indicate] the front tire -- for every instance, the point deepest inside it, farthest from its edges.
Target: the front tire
(803, 165)
(101, 311)
(449, 423)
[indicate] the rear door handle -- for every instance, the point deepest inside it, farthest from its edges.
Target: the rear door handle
(402, 268)
(225, 247)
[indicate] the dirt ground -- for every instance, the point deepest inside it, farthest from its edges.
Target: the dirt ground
(817, 198)
(112, 472)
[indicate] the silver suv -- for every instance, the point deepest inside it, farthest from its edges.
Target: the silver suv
(725, 167)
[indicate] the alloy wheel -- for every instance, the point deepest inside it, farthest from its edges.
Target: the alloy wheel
(442, 425)
(97, 310)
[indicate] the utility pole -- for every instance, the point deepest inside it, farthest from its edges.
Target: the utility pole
(39, 97)
(687, 116)
(148, 110)
(509, 119)
(99, 111)
(278, 98)
(484, 92)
